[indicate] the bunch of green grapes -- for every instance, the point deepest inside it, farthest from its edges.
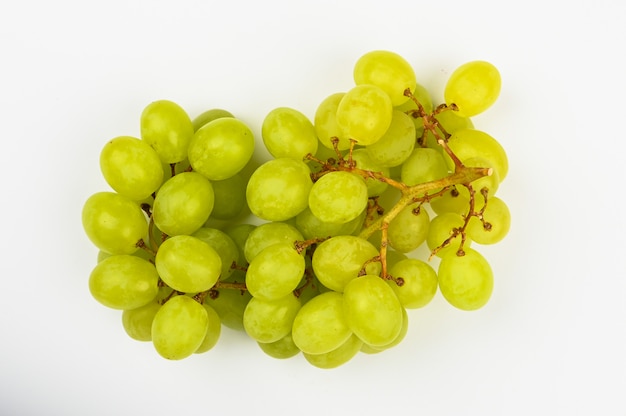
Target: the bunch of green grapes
(312, 253)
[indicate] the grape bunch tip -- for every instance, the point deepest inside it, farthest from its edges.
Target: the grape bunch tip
(313, 251)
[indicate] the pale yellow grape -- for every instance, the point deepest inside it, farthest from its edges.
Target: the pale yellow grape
(179, 327)
(270, 320)
(279, 189)
(268, 234)
(362, 159)
(221, 148)
(364, 114)
(287, 132)
(407, 231)
(368, 349)
(208, 116)
(223, 245)
(419, 282)
(138, 322)
(188, 264)
(422, 96)
(275, 272)
(214, 330)
(337, 357)
(388, 71)
(183, 204)
(131, 167)
(320, 325)
(396, 145)
(281, 349)
(497, 214)
(325, 122)
(451, 201)
(113, 222)
(466, 282)
(124, 282)
(372, 310)
(167, 128)
(423, 165)
(312, 227)
(338, 197)
(441, 228)
(473, 87)
(471, 143)
(338, 260)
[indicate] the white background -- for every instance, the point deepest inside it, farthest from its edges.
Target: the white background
(552, 340)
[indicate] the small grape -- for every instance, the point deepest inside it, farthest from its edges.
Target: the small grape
(473, 87)
(466, 282)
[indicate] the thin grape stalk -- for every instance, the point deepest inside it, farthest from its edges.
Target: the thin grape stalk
(415, 194)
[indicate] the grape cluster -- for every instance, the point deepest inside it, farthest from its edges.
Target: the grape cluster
(325, 264)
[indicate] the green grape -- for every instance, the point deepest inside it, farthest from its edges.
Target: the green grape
(270, 320)
(403, 331)
(230, 197)
(451, 122)
(338, 197)
(338, 260)
(131, 167)
(466, 282)
(397, 144)
(289, 133)
(167, 128)
(221, 148)
(214, 330)
(388, 71)
(279, 189)
(208, 116)
(114, 223)
(138, 322)
(268, 234)
(363, 161)
(312, 227)
(473, 87)
(419, 282)
(407, 231)
(281, 349)
(424, 165)
(183, 204)
(179, 328)
(491, 182)
(339, 356)
(223, 245)
(325, 123)
(188, 264)
(275, 272)
(320, 325)
(372, 310)
(229, 305)
(364, 114)
(498, 216)
(423, 97)
(124, 282)
(451, 201)
(441, 228)
(470, 143)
